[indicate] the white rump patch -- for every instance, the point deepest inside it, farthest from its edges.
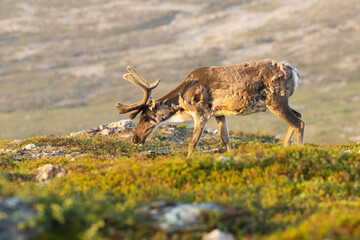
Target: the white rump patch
(296, 77)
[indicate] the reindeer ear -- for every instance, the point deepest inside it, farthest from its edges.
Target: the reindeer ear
(152, 104)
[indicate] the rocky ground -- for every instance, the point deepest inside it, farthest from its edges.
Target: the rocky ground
(177, 136)
(61, 64)
(167, 217)
(12, 212)
(42, 163)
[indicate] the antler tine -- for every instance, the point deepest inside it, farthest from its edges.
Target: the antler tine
(137, 80)
(155, 84)
(129, 77)
(136, 106)
(132, 70)
(126, 108)
(147, 90)
(133, 115)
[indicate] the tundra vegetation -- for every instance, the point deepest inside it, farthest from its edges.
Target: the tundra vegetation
(61, 63)
(268, 191)
(60, 71)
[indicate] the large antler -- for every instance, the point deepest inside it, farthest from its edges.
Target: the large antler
(140, 82)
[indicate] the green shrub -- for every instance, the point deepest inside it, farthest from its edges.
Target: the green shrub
(309, 192)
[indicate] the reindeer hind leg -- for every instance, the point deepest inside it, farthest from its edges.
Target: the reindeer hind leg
(290, 131)
(280, 108)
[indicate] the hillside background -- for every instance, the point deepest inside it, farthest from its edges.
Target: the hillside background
(61, 62)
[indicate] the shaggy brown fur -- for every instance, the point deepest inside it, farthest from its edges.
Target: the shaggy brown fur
(238, 89)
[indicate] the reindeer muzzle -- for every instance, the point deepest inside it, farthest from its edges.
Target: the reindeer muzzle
(137, 140)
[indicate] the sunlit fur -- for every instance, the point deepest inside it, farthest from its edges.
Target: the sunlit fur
(220, 91)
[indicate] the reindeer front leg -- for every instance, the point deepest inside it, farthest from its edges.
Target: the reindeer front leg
(199, 108)
(224, 132)
(199, 125)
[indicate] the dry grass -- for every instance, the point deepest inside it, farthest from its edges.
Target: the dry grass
(59, 58)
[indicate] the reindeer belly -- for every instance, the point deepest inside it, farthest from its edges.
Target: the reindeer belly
(233, 104)
(180, 116)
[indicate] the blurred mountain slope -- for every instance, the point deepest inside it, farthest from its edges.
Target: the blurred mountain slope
(61, 59)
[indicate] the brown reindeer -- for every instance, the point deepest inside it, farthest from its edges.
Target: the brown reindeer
(239, 89)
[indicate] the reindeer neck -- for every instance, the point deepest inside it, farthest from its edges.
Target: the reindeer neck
(166, 108)
(169, 104)
(171, 99)
(174, 93)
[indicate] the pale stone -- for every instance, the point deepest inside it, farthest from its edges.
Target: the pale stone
(125, 124)
(184, 216)
(105, 132)
(223, 158)
(77, 133)
(13, 211)
(176, 217)
(30, 146)
(218, 235)
(50, 171)
(210, 130)
(102, 127)
(11, 202)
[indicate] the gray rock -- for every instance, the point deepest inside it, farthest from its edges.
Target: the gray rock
(102, 127)
(78, 133)
(57, 152)
(93, 130)
(215, 150)
(268, 141)
(106, 132)
(48, 172)
(14, 211)
(30, 146)
(176, 217)
(218, 235)
(151, 153)
(223, 158)
(209, 130)
(123, 124)
(11, 202)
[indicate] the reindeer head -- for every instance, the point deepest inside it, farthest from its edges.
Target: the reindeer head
(149, 117)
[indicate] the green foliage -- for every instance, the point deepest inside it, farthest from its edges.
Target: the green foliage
(83, 95)
(6, 161)
(80, 216)
(273, 192)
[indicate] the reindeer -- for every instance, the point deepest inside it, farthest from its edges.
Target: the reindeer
(220, 91)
